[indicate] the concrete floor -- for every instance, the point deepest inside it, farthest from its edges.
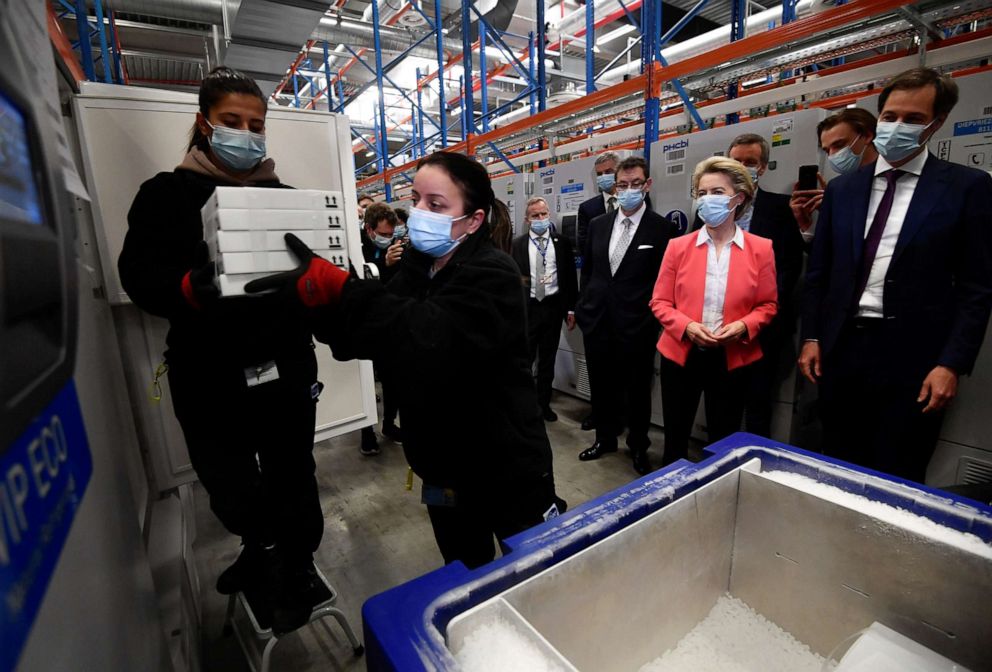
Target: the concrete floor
(377, 535)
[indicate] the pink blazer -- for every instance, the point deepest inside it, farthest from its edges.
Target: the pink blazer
(751, 297)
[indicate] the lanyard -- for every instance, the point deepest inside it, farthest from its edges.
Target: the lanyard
(544, 252)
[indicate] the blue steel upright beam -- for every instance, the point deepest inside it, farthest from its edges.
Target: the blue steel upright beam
(468, 111)
(542, 78)
(650, 13)
(442, 102)
(590, 43)
(340, 88)
(788, 11)
(738, 26)
(327, 73)
(418, 118)
(383, 144)
(104, 50)
(83, 28)
(483, 72)
(532, 65)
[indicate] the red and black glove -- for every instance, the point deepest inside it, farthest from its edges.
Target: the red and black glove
(316, 281)
(198, 285)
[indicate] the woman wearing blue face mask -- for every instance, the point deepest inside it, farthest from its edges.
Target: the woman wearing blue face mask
(242, 372)
(716, 290)
(451, 328)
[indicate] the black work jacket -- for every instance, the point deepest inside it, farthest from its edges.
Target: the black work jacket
(456, 344)
(164, 227)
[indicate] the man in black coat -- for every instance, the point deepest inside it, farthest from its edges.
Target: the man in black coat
(604, 201)
(547, 264)
(622, 255)
(770, 217)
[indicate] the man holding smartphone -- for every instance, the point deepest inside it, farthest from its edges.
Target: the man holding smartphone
(847, 138)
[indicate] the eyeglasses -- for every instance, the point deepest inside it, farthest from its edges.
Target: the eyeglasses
(622, 186)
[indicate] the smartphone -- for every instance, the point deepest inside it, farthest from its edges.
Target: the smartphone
(807, 178)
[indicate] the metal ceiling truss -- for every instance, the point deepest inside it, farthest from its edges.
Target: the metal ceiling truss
(859, 26)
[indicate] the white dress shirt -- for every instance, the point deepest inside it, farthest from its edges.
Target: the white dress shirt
(717, 271)
(551, 265)
(870, 304)
(618, 226)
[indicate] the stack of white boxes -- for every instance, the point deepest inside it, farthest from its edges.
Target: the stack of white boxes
(245, 230)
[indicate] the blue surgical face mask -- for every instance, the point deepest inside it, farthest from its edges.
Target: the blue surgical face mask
(399, 232)
(714, 209)
(630, 199)
(606, 181)
(846, 161)
(540, 226)
(238, 150)
(430, 232)
(382, 242)
(895, 140)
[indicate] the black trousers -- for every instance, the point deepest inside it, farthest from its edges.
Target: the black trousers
(252, 448)
(389, 398)
(764, 378)
(465, 531)
(705, 371)
(868, 404)
(621, 372)
(544, 319)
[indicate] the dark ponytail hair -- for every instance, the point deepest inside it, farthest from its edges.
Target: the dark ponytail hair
(500, 226)
(218, 83)
(470, 176)
(473, 181)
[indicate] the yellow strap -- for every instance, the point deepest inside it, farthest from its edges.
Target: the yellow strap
(156, 394)
(409, 478)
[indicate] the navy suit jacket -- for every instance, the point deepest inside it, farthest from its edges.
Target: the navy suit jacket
(588, 211)
(620, 302)
(938, 288)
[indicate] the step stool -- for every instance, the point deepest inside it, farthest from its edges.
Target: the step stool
(259, 614)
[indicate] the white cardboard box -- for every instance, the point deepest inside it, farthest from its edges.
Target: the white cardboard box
(234, 285)
(241, 219)
(255, 198)
(230, 263)
(257, 241)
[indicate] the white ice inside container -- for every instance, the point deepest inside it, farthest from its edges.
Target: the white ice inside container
(736, 638)
(496, 645)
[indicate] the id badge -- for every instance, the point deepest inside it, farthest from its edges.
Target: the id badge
(431, 495)
(552, 512)
(261, 374)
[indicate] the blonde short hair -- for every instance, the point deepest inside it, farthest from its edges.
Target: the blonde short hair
(735, 171)
(533, 200)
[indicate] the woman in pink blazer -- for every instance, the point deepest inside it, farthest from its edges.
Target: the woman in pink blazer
(716, 290)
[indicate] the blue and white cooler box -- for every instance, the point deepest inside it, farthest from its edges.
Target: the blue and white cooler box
(760, 557)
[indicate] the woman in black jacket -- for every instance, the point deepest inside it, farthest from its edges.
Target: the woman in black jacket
(451, 327)
(242, 371)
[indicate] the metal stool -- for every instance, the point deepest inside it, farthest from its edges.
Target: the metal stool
(260, 618)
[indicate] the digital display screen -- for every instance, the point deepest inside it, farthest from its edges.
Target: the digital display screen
(19, 196)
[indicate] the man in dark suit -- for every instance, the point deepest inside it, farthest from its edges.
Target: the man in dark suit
(769, 217)
(622, 256)
(547, 263)
(605, 201)
(899, 286)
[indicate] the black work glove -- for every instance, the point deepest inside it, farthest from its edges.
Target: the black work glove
(198, 285)
(316, 281)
